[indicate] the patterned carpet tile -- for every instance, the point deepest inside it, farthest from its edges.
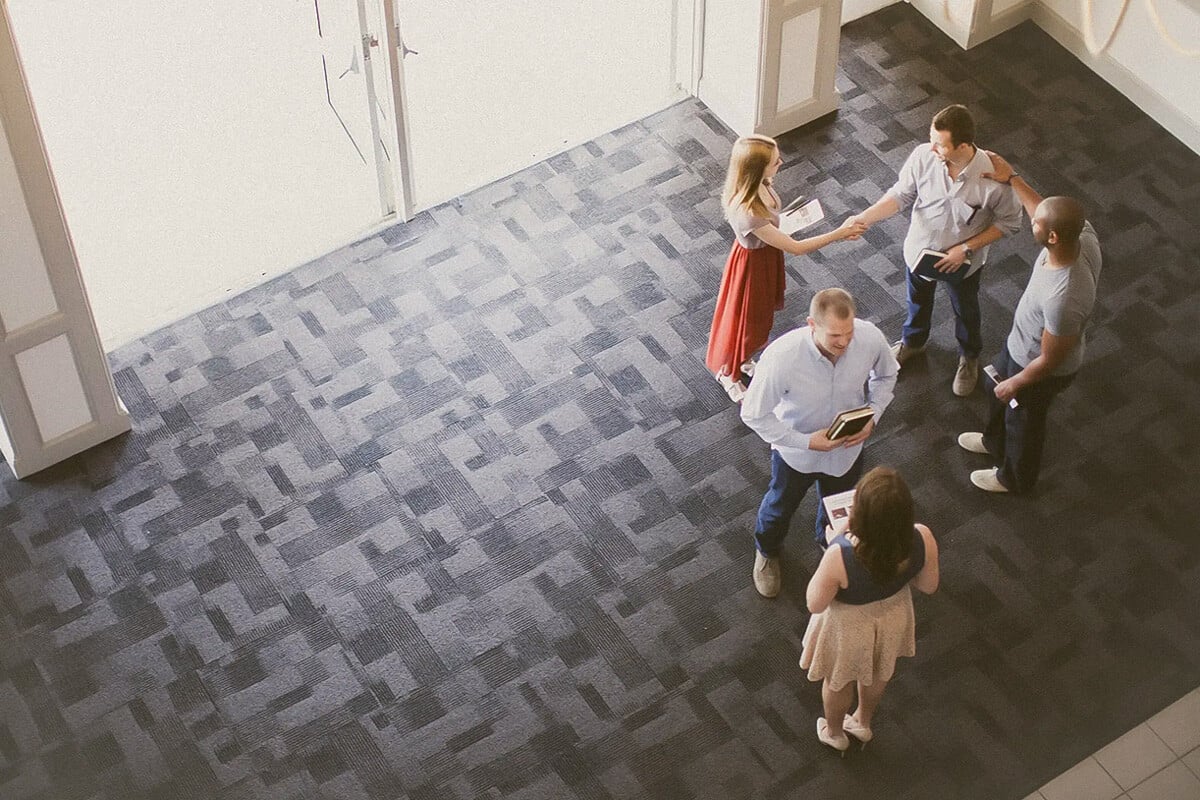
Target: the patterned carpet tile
(457, 511)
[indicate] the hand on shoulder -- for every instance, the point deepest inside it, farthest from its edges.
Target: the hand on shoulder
(1002, 171)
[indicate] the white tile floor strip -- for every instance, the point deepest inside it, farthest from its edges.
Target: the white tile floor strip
(1157, 760)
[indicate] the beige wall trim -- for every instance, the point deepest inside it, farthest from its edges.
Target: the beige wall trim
(988, 27)
(1144, 97)
(935, 12)
(26, 451)
(773, 120)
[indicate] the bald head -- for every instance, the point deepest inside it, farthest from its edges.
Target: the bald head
(1063, 216)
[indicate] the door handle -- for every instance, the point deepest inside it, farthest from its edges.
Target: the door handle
(405, 52)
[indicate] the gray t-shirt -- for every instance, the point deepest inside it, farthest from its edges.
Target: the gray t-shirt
(1058, 300)
(744, 224)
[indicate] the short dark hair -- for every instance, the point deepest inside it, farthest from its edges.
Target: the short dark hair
(958, 122)
(882, 519)
(835, 302)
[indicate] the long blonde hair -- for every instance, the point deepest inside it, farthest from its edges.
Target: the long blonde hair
(749, 160)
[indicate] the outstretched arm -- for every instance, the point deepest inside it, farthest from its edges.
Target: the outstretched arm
(881, 209)
(1002, 172)
(849, 229)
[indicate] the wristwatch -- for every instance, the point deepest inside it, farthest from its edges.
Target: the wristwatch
(968, 251)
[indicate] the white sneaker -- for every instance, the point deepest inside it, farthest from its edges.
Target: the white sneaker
(972, 442)
(986, 479)
(735, 390)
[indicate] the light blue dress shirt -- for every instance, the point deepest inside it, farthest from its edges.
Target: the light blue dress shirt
(947, 212)
(797, 391)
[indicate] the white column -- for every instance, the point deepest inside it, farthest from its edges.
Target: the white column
(969, 22)
(769, 67)
(56, 392)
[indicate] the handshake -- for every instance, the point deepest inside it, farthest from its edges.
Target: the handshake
(852, 227)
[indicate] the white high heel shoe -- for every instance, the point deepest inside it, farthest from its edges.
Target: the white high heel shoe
(861, 732)
(839, 743)
(735, 390)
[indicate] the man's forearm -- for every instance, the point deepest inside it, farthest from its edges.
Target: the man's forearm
(774, 431)
(881, 209)
(1026, 194)
(985, 237)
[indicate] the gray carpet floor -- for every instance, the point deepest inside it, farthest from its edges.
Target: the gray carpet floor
(456, 512)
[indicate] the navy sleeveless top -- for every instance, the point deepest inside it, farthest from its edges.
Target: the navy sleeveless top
(860, 588)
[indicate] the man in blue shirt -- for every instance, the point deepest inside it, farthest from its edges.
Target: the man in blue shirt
(803, 380)
(956, 211)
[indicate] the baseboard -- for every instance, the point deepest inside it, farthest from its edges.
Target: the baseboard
(1120, 78)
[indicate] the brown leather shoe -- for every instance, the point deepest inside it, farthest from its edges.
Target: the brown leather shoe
(767, 575)
(903, 352)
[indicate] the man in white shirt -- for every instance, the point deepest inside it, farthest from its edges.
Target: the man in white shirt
(956, 211)
(803, 380)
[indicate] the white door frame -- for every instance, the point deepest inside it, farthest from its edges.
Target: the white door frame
(402, 183)
(57, 396)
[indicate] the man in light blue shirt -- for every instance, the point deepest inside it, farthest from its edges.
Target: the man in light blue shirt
(803, 380)
(956, 211)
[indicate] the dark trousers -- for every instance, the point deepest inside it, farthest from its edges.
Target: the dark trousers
(964, 297)
(783, 497)
(1015, 435)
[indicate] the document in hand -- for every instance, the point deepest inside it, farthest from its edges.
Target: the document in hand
(837, 507)
(991, 372)
(848, 423)
(924, 267)
(800, 214)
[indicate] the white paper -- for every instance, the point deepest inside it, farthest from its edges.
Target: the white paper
(803, 217)
(991, 372)
(837, 507)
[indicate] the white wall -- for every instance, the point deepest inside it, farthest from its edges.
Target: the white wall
(1139, 63)
(497, 86)
(193, 147)
(729, 80)
(855, 9)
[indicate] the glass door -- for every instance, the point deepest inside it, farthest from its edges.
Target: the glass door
(201, 148)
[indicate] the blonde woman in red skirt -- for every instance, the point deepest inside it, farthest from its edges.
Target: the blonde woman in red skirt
(753, 283)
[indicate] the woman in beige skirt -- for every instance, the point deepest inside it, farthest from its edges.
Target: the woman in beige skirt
(862, 604)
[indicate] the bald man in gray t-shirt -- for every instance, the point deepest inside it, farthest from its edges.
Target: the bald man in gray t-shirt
(1045, 347)
(1058, 300)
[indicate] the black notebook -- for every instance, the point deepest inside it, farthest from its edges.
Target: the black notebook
(848, 423)
(925, 267)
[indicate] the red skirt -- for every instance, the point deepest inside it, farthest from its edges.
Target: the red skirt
(751, 292)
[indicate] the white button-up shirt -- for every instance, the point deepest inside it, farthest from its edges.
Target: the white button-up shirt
(947, 212)
(797, 391)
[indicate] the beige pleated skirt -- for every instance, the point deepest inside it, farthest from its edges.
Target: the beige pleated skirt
(847, 643)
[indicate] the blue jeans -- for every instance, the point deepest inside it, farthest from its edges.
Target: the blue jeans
(964, 297)
(1014, 436)
(783, 497)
